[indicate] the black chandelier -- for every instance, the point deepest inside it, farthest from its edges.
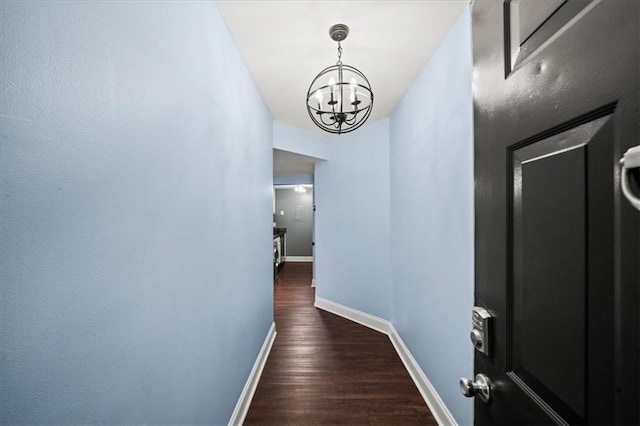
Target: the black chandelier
(339, 99)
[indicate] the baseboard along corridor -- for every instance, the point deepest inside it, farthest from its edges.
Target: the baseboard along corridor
(326, 369)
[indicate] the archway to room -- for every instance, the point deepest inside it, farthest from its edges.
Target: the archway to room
(293, 209)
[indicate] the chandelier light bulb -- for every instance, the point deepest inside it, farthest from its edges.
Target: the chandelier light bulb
(352, 96)
(319, 97)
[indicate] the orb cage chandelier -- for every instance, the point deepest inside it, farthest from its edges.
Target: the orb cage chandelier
(339, 99)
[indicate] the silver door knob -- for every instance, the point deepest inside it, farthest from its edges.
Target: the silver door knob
(481, 387)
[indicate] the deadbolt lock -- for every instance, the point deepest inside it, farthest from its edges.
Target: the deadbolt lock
(481, 332)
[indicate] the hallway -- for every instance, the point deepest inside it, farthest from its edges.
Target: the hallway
(326, 369)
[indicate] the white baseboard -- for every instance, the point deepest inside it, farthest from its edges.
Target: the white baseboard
(298, 258)
(437, 407)
(313, 282)
(242, 407)
(439, 410)
(354, 315)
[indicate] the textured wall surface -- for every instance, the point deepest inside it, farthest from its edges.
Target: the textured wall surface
(136, 163)
(297, 179)
(292, 139)
(352, 220)
(432, 218)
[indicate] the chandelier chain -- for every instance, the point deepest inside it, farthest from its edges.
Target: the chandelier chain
(339, 52)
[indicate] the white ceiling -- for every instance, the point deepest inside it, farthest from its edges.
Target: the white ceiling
(285, 44)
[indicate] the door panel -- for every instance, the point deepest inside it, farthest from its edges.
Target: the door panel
(550, 246)
(552, 182)
(556, 95)
(527, 16)
(530, 24)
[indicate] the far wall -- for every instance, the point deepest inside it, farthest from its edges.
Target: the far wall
(352, 220)
(294, 211)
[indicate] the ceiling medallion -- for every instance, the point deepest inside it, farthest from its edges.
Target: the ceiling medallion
(339, 99)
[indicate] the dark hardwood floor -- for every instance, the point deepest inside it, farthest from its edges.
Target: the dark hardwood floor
(324, 369)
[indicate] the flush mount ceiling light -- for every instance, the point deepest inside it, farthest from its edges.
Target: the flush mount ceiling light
(339, 99)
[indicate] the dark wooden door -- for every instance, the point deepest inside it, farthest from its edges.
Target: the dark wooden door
(556, 103)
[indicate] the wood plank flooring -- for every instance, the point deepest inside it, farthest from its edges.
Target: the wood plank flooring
(324, 369)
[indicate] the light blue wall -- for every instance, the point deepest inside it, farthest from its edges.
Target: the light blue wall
(352, 220)
(136, 162)
(432, 218)
(298, 179)
(292, 139)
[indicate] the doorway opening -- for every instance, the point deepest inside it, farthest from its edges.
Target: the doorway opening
(293, 223)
